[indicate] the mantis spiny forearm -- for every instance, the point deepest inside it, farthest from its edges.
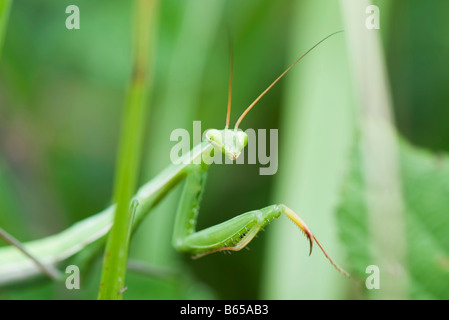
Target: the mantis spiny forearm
(232, 235)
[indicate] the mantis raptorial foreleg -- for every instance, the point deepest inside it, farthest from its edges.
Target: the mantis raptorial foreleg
(231, 235)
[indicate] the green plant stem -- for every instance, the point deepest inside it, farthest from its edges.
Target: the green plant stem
(115, 260)
(314, 128)
(5, 9)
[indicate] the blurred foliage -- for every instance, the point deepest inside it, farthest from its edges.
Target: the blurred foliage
(61, 94)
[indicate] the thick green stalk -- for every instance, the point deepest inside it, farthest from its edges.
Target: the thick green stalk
(5, 8)
(179, 95)
(315, 136)
(127, 170)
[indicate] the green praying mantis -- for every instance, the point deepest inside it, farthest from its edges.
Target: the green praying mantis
(19, 262)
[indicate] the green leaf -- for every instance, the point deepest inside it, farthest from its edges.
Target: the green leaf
(425, 188)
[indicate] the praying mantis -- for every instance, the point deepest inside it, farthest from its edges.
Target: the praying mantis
(19, 262)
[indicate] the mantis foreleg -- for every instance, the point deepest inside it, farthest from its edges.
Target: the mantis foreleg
(231, 235)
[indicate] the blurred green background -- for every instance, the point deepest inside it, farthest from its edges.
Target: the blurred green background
(61, 97)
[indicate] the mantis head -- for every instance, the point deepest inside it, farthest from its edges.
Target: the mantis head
(231, 142)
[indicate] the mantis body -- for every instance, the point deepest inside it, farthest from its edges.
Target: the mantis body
(231, 235)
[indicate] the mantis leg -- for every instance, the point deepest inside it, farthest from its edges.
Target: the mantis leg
(233, 234)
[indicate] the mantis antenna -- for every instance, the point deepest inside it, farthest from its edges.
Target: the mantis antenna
(279, 78)
(231, 63)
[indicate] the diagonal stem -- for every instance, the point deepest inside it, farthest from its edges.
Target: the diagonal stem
(48, 270)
